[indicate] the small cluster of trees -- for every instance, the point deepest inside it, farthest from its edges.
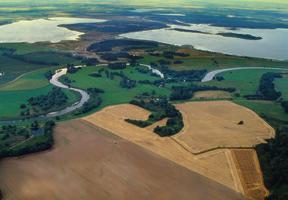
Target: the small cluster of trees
(118, 65)
(170, 54)
(94, 101)
(127, 83)
(71, 69)
(11, 147)
(284, 105)
(49, 74)
(273, 157)
(54, 99)
(161, 109)
(267, 87)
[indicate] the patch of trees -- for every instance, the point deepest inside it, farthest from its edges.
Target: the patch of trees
(107, 45)
(241, 36)
(96, 75)
(90, 61)
(114, 56)
(284, 104)
(267, 89)
(67, 80)
(49, 74)
(116, 66)
(187, 92)
(161, 109)
(127, 83)
(180, 76)
(71, 69)
(30, 143)
(44, 103)
(33, 57)
(273, 157)
(94, 101)
(171, 54)
(178, 62)
(117, 26)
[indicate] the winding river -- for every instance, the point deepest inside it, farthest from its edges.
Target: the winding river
(84, 95)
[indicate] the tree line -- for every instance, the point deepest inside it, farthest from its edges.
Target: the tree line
(160, 109)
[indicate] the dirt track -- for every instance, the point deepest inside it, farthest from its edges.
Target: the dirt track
(90, 163)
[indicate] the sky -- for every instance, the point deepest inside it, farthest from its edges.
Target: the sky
(250, 4)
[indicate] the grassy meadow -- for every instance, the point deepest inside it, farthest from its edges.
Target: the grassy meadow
(113, 93)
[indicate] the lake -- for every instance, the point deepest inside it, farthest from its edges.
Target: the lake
(42, 30)
(272, 45)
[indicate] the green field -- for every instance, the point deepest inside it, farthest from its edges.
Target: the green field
(114, 94)
(33, 57)
(282, 85)
(245, 81)
(17, 92)
(266, 109)
(211, 61)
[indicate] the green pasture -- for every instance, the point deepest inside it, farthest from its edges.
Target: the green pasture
(114, 94)
(246, 81)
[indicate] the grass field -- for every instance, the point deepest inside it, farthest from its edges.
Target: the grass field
(282, 85)
(245, 81)
(114, 94)
(266, 109)
(207, 60)
(33, 57)
(11, 100)
(31, 80)
(17, 92)
(13, 68)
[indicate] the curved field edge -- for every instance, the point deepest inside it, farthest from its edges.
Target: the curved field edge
(216, 159)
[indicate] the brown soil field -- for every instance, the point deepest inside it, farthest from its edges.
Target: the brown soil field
(212, 95)
(250, 172)
(90, 163)
(214, 124)
(217, 165)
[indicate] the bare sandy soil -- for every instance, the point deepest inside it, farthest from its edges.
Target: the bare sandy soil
(91, 163)
(248, 167)
(213, 124)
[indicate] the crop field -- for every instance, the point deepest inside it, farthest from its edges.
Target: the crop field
(219, 124)
(251, 176)
(113, 93)
(210, 164)
(88, 162)
(206, 95)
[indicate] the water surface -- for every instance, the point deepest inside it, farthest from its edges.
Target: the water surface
(273, 45)
(42, 30)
